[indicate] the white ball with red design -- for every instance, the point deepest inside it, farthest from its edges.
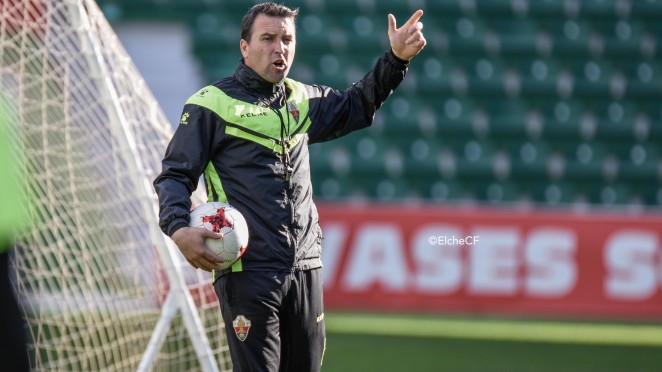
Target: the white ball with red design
(223, 218)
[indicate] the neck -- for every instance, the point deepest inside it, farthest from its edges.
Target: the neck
(251, 79)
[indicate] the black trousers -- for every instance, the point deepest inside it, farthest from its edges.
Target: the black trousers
(274, 320)
(13, 352)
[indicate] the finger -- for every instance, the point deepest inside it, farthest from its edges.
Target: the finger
(420, 44)
(209, 265)
(414, 38)
(418, 27)
(192, 263)
(211, 256)
(212, 235)
(391, 23)
(205, 268)
(414, 18)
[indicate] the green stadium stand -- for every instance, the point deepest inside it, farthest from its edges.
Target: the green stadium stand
(420, 158)
(528, 159)
(497, 192)
(549, 102)
(438, 75)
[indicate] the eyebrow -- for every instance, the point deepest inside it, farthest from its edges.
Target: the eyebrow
(267, 33)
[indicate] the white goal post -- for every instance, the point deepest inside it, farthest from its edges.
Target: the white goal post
(100, 286)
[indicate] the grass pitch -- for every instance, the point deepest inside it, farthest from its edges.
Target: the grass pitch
(370, 342)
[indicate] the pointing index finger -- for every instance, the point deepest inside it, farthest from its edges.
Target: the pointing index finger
(414, 18)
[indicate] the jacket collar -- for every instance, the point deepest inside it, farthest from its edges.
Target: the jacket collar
(249, 78)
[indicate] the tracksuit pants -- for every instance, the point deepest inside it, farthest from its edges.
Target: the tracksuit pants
(274, 321)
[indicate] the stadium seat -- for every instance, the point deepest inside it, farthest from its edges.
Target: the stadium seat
(646, 9)
(505, 120)
(616, 120)
(475, 160)
(368, 157)
(554, 193)
(583, 161)
(332, 188)
(487, 77)
(439, 75)
(316, 36)
(385, 189)
(623, 39)
(367, 33)
(546, 8)
(639, 162)
(649, 193)
(644, 78)
(539, 76)
(571, 36)
(210, 29)
(498, 192)
(331, 159)
(444, 190)
(467, 36)
(515, 38)
(454, 115)
(421, 158)
(609, 194)
(528, 159)
(592, 78)
(562, 118)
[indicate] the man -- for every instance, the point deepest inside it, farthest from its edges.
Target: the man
(249, 134)
(13, 218)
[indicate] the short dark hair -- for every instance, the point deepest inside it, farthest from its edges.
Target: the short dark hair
(270, 9)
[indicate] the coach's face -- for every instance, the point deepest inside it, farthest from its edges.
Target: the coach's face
(270, 50)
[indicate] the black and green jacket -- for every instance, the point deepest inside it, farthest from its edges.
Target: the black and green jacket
(250, 139)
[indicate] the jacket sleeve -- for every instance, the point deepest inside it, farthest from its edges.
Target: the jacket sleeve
(337, 113)
(185, 159)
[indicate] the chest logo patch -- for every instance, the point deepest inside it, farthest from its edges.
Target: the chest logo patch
(293, 109)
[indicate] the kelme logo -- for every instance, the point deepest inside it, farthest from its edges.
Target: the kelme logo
(184, 119)
(252, 111)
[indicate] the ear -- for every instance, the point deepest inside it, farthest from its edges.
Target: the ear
(243, 46)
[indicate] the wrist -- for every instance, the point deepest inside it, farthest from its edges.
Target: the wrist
(399, 58)
(176, 228)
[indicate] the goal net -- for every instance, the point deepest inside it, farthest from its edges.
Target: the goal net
(101, 288)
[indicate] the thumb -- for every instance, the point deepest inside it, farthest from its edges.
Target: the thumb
(391, 23)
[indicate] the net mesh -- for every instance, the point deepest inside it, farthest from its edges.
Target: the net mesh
(91, 135)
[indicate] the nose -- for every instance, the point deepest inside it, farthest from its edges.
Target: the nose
(280, 47)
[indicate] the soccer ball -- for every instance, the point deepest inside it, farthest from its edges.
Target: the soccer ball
(223, 218)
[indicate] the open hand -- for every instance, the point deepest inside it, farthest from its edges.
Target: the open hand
(191, 241)
(408, 40)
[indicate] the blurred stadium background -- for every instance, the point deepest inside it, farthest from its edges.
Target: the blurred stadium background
(549, 102)
(531, 104)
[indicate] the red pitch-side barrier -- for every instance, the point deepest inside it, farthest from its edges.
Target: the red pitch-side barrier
(492, 261)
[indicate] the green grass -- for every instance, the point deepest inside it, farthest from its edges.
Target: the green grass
(369, 342)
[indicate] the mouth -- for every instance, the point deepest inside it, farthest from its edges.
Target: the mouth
(280, 64)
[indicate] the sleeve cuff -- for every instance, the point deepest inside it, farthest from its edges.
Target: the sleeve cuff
(397, 60)
(176, 226)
